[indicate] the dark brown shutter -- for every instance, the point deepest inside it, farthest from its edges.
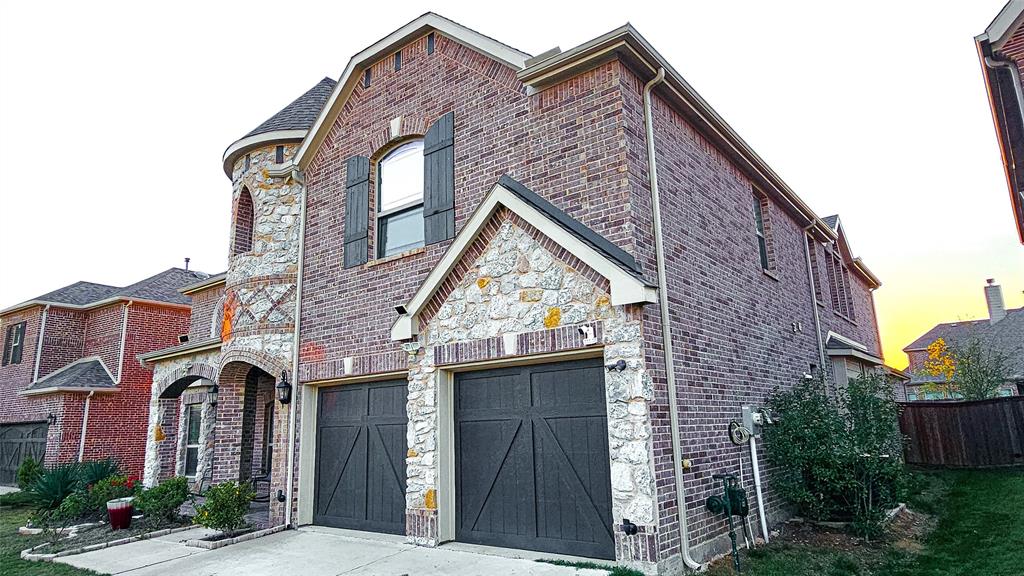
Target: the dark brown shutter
(439, 180)
(8, 340)
(357, 209)
(16, 353)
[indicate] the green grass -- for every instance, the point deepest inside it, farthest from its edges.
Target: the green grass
(980, 531)
(12, 543)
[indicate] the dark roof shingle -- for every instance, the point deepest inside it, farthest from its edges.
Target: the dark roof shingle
(301, 113)
(1005, 337)
(162, 287)
(85, 373)
(79, 293)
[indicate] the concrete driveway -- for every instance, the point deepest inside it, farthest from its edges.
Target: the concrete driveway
(311, 551)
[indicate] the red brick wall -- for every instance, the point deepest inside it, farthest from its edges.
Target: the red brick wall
(103, 334)
(564, 144)
(205, 305)
(16, 377)
(63, 339)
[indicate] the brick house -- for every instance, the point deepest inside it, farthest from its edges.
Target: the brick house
(1001, 332)
(1001, 53)
(71, 387)
(488, 257)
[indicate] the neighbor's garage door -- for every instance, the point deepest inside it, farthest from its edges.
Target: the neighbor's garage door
(18, 442)
(532, 467)
(360, 452)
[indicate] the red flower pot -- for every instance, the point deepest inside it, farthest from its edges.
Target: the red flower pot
(119, 510)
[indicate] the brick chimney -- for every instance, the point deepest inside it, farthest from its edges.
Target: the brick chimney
(994, 299)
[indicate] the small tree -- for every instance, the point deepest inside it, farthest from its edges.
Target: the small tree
(972, 370)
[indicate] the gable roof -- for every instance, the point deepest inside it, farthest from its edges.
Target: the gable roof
(289, 124)
(486, 45)
(84, 375)
(831, 221)
(1005, 337)
(162, 287)
(622, 271)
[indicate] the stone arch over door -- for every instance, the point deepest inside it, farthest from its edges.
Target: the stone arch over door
(163, 436)
(245, 376)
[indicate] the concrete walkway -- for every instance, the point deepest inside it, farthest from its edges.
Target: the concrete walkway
(9, 489)
(311, 552)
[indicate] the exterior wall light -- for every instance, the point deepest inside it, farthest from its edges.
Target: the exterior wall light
(213, 393)
(284, 388)
(51, 419)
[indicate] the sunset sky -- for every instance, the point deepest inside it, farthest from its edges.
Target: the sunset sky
(114, 116)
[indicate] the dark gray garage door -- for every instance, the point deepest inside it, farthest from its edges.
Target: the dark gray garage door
(532, 459)
(18, 442)
(360, 451)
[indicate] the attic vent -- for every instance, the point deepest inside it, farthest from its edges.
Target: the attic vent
(366, 78)
(398, 61)
(430, 43)
(182, 338)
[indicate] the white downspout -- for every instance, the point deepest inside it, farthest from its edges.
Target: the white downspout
(1014, 74)
(124, 334)
(757, 486)
(666, 333)
(85, 424)
(39, 343)
(290, 485)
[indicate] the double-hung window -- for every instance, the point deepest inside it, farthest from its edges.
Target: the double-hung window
(400, 200)
(193, 422)
(762, 241)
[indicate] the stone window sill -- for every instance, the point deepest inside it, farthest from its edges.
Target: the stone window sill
(394, 257)
(770, 274)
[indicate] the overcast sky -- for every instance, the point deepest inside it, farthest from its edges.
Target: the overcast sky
(114, 117)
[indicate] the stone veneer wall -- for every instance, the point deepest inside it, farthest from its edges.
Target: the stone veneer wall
(516, 288)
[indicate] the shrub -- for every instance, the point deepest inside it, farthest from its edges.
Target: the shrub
(161, 503)
(93, 471)
(109, 489)
(28, 472)
(840, 454)
(225, 507)
(54, 485)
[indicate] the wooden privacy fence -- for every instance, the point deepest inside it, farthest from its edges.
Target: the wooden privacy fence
(969, 434)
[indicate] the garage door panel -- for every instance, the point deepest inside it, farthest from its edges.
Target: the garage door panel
(361, 450)
(18, 442)
(532, 469)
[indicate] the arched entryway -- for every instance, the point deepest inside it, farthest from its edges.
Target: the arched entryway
(181, 430)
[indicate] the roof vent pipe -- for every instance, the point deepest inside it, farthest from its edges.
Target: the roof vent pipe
(666, 333)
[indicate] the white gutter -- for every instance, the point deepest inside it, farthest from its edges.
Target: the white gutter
(91, 305)
(39, 343)
(814, 302)
(85, 424)
(124, 335)
(290, 485)
(666, 333)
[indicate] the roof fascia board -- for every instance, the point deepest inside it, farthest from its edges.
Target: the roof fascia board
(208, 283)
(248, 143)
(713, 124)
(156, 356)
(418, 27)
(854, 353)
(92, 305)
(1005, 23)
(65, 389)
(625, 288)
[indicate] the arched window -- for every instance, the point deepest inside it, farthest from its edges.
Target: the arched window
(400, 199)
(244, 217)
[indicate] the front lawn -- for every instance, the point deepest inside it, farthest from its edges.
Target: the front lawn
(11, 544)
(977, 528)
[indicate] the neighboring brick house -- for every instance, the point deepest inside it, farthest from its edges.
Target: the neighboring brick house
(71, 387)
(481, 354)
(1001, 51)
(1002, 332)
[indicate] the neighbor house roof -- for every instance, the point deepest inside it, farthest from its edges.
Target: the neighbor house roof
(87, 374)
(1005, 337)
(289, 124)
(162, 287)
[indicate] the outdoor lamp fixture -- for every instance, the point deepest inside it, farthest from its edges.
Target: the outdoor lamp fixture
(51, 419)
(212, 394)
(284, 388)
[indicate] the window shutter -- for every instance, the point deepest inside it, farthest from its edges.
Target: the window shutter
(16, 353)
(8, 340)
(439, 180)
(357, 209)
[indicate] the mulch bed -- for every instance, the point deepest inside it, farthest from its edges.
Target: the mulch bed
(102, 533)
